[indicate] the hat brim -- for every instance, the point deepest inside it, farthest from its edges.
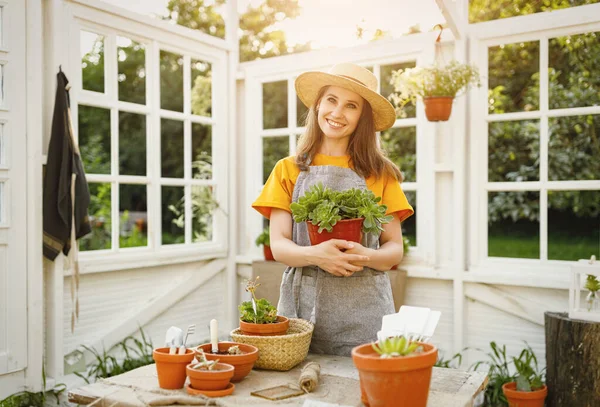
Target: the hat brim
(309, 84)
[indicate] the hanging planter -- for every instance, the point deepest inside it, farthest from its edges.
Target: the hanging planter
(438, 109)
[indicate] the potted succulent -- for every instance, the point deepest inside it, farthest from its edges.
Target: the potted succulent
(259, 317)
(240, 355)
(264, 240)
(395, 372)
(344, 215)
(210, 376)
(593, 298)
(436, 86)
(170, 368)
(528, 389)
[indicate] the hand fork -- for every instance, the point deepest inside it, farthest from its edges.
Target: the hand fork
(191, 329)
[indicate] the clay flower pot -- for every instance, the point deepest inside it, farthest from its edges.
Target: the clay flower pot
(171, 368)
(438, 108)
(216, 379)
(346, 229)
(394, 382)
(242, 363)
(524, 398)
(276, 328)
(268, 253)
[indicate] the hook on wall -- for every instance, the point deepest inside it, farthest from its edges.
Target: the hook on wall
(441, 27)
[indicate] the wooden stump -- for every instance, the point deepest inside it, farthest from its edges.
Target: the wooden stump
(572, 360)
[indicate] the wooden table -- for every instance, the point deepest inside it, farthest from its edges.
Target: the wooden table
(338, 385)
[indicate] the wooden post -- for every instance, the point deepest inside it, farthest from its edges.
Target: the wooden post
(572, 360)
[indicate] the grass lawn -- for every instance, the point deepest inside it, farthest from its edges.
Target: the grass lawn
(560, 247)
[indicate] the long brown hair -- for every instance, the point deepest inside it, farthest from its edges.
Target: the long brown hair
(366, 157)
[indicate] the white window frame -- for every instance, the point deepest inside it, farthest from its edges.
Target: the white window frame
(103, 19)
(536, 27)
(418, 48)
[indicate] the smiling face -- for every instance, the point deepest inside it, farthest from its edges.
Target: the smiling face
(339, 112)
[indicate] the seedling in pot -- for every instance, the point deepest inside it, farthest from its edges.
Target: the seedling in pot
(396, 346)
(204, 364)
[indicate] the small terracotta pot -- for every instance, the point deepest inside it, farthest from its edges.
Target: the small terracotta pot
(211, 393)
(171, 368)
(241, 363)
(276, 328)
(394, 382)
(347, 229)
(216, 379)
(438, 108)
(268, 253)
(524, 398)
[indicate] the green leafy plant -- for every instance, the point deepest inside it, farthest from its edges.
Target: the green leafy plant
(324, 207)
(591, 283)
(264, 238)
(498, 374)
(528, 377)
(395, 346)
(413, 83)
(257, 311)
(203, 363)
(454, 362)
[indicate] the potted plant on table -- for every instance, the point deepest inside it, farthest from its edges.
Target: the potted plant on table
(264, 240)
(209, 377)
(528, 388)
(344, 215)
(170, 368)
(259, 317)
(436, 86)
(240, 355)
(395, 372)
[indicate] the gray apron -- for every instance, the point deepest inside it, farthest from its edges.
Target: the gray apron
(346, 311)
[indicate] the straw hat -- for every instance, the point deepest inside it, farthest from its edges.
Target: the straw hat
(351, 77)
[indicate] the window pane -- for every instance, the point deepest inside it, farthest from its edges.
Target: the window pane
(574, 148)
(131, 57)
(274, 149)
(514, 77)
(94, 139)
(201, 88)
(171, 142)
(92, 61)
(201, 151)
(400, 144)
(203, 206)
(387, 88)
(409, 226)
(486, 10)
(100, 219)
(205, 16)
(574, 73)
(275, 105)
(173, 215)
(171, 81)
(133, 216)
(301, 112)
(514, 151)
(573, 225)
(132, 144)
(513, 224)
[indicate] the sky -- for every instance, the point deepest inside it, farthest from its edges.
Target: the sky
(332, 23)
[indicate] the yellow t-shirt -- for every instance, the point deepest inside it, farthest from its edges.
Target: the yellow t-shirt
(277, 192)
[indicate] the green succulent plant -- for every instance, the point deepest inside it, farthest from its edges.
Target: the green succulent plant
(395, 346)
(264, 238)
(591, 283)
(324, 207)
(257, 311)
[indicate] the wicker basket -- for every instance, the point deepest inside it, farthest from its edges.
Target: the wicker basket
(281, 352)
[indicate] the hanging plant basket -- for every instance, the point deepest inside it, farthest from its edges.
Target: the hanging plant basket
(438, 108)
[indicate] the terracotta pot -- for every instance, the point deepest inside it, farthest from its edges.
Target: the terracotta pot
(347, 229)
(211, 393)
(171, 368)
(438, 109)
(276, 328)
(216, 379)
(524, 398)
(241, 363)
(268, 253)
(394, 382)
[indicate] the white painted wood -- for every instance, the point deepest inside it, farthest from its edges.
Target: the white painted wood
(453, 19)
(13, 225)
(579, 272)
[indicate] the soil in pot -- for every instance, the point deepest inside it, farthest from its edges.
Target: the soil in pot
(171, 368)
(276, 328)
(516, 398)
(216, 379)
(242, 363)
(347, 229)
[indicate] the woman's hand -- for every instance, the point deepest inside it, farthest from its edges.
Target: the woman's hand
(334, 257)
(360, 250)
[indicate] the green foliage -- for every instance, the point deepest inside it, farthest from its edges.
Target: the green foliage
(29, 399)
(453, 363)
(528, 377)
(498, 375)
(264, 238)
(419, 82)
(395, 346)
(265, 312)
(324, 207)
(137, 353)
(487, 10)
(591, 283)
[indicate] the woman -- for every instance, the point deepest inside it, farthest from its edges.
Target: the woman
(339, 286)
